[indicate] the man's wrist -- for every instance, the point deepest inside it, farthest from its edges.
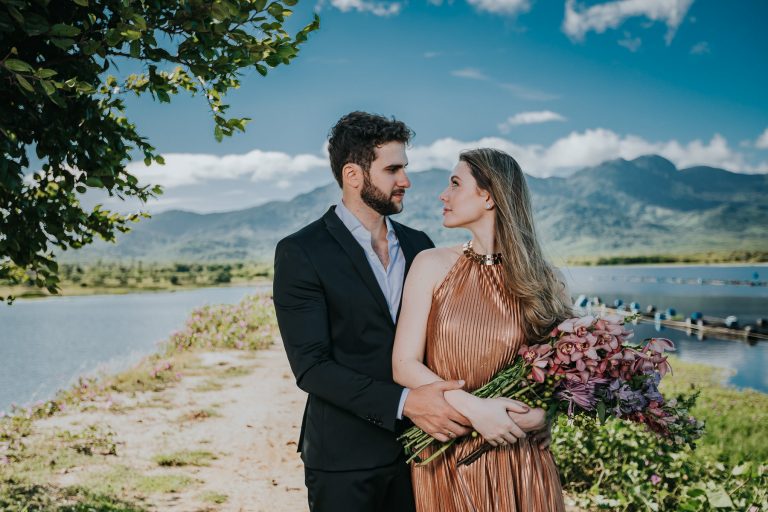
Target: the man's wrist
(401, 405)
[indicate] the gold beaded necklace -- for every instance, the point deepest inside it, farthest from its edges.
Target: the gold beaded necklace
(483, 259)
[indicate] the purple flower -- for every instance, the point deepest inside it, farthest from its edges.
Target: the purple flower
(583, 394)
(655, 479)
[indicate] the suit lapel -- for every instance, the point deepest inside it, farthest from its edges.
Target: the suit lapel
(339, 231)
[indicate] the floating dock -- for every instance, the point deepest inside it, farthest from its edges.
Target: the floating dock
(698, 324)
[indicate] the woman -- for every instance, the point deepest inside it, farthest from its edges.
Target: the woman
(466, 311)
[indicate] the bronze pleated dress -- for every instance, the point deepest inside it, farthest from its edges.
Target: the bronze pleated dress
(473, 332)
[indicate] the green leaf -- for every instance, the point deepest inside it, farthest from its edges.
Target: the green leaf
(261, 69)
(601, 411)
(45, 73)
(113, 37)
(259, 5)
(718, 498)
(18, 65)
(64, 30)
(82, 3)
(24, 83)
(740, 469)
(218, 134)
(94, 181)
(63, 42)
(48, 87)
(35, 25)
(16, 14)
(132, 35)
(80, 189)
(89, 47)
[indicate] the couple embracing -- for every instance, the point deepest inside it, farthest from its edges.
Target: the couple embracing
(382, 329)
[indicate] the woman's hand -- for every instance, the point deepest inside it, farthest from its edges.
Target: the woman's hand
(491, 418)
(531, 421)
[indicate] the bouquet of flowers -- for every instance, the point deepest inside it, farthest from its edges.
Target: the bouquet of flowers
(587, 367)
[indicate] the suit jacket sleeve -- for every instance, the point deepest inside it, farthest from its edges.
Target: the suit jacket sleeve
(303, 320)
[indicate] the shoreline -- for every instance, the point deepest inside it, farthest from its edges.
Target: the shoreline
(103, 291)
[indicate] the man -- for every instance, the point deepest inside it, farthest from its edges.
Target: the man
(337, 290)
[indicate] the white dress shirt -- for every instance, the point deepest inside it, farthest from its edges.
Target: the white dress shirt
(391, 278)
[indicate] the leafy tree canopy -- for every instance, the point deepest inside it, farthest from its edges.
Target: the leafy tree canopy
(58, 99)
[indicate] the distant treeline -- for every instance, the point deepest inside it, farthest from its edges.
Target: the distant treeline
(711, 257)
(136, 276)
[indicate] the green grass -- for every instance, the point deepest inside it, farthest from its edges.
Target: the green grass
(121, 480)
(130, 277)
(198, 415)
(185, 458)
(208, 385)
(23, 497)
(214, 497)
(736, 420)
(756, 256)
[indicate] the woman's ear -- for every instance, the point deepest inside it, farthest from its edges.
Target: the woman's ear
(487, 198)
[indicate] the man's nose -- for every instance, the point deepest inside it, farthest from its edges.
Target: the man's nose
(403, 180)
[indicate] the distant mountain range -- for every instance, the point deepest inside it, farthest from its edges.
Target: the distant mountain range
(638, 207)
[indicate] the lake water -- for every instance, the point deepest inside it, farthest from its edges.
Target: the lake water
(45, 344)
(630, 283)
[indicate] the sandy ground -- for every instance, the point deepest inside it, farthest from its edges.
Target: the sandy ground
(254, 437)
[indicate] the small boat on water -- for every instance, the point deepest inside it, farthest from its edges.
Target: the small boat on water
(696, 323)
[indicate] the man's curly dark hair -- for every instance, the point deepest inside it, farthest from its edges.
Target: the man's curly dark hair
(354, 137)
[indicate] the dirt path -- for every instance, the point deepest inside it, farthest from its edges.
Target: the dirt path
(244, 408)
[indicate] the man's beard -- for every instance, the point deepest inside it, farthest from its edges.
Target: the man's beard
(380, 202)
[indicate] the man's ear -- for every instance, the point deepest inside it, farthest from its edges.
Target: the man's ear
(352, 175)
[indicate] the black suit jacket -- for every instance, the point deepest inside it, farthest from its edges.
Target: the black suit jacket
(338, 334)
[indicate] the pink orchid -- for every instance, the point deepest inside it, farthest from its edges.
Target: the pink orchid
(659, 345)
(538, 356)
(577, 325)
(654, 361)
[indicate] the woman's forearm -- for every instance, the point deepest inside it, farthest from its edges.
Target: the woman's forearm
(413, 374)
(461, 401)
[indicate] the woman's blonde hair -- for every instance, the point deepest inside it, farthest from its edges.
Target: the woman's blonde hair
(527, 275)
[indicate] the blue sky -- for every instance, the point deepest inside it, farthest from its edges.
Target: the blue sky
(558, 84)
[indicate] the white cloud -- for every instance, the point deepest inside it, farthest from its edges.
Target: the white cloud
(376, 8)
(760, 168)
(189, 168)
(582, 149)
(630, 43)
(543, 116)
(700, 48)
(762, 140)
(579, 20)
(507, 7)
(471, 73)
